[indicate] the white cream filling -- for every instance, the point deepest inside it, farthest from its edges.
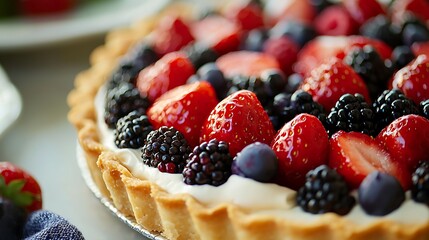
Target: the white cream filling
(264, 198)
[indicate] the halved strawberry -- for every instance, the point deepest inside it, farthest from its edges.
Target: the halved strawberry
(219, 33)
(399, 9)
(362, 10)
(355, 155)
(301, 145)
(328, 82)
(171, 34)
(246, 63)
(185, 108)
(240, 120)
(297, 10)
(20, 187)
(249, 16)
(170, 71)
(413, 79)
(407, 140)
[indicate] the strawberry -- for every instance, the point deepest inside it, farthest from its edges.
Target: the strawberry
(44, 7)
(185, 108)
(20, 187)
(171, 34)
(219, 33)
(407, 140)
(170, 71)
(240, 120)
(335, 21)
(301, 145)
(362, 10)
(284, 49)
(248, 16)
(413, 79)
(420, 48)
(419, 8)
(355, 155)
(328, 82)
(246, 63)
(297, 10)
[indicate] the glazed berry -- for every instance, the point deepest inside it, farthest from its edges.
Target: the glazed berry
(209, 163)
(122, 100)
(199, 54)
(380, 194)
(12, 220)
(255, 40)
(351, 113)
(256, 161)
(424, 108)
(131, 131)
(371, 68)
(299, 32)
(381, 28)
(211, 73)
(166, 149)
(401, 56)
(420, 187)
(391, 105)
(325, 191)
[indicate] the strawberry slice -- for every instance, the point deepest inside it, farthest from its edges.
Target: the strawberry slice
(296, 10)
(171, 35)
(362, 10)
(240, 120)
(170, 71)
(20, 187)
(328, 82)
(355, 155)
(301, 145)
(419, 8)
(219, 33)
(248, 16)
(407, 140)
(246, 63)
(185, 108)
(413, 79)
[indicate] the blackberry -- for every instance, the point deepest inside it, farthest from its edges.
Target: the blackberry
(381, 28)
(390, 105)
(424, 108)
(200, 54)
(351, 113)
(420, 187)
(131, 131)
(121, 100)
(300, 102)
(209, 163)
(325, 191)
(166, 149)
(371, 67)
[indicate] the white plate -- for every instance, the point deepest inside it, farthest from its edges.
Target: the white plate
(91, 18)
(10, 102)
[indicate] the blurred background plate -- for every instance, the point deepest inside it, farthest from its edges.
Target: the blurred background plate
(88, 19)
(10, 102)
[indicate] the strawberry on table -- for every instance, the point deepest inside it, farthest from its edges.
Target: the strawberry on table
(301, 145)
(413, 79)
(355, 155)
(170, 71)
(19, 187)
(246, 63)
(240, 120)
(407, 140)
(185, 108)
(171, 34)
(328, 82)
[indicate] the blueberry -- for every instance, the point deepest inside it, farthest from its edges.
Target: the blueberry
(256, 161)
(293, 82)
(212, 74)
(401, 56)
(380, 193)
(199, 54)
(381, 28)
(275, 81)
(255, 40)
(300, 33)
(12, 220)
(415, 33)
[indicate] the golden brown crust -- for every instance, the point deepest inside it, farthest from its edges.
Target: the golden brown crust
(181, 216)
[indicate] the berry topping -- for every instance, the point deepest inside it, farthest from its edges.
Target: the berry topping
(121, 100)
(300, 145)
(355, 155)
(391, 105)
(362, 10)
(420, 187)
(166, 149)
(170, 71)
(299, 32)
(325, 191)
(328, 82)
(12, 220)
(209, 163)
(256, 161)
(335, 21)
(131, 131)
(284, 50)
(380, 194)
(239, 120)
(185, 108)
(424, 108)
(170, 28)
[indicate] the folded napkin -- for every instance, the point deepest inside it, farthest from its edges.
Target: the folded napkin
(43, 225)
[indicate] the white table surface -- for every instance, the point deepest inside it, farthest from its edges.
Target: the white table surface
(43, 142)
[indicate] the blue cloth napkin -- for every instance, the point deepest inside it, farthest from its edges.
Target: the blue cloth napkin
(43, 225)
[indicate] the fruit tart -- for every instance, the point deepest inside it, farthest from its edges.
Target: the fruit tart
(294, 119)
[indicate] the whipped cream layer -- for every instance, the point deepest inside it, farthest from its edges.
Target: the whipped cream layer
(262, 198)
